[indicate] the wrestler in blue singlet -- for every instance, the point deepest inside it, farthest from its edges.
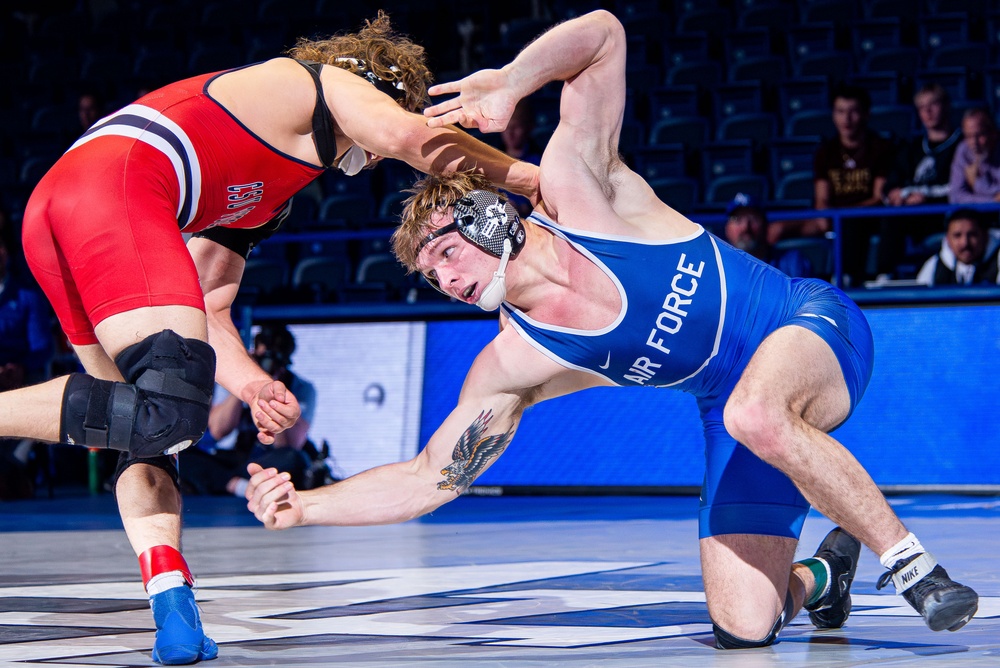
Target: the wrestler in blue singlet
(694, 311)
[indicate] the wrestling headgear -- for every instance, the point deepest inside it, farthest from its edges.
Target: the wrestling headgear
(356, 158)
(490, 223)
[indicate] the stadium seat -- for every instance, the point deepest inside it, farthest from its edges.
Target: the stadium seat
(883, 87)
(732, 99)
(796, 190)
(661, 161)
(969, 55)
(902, 60)
(768, 70)
(812, 123)
(739, 45)
(691, 131)
(790, 155)
(679, 193)
(321, 278)
(263, 277)
(756, 127)
(723, 158)
(874, 35)
(671, 101)
(723, 189)
(818, 250)
(345, 210)
(834, 65)
(802, 94)
(701, 73)
(893, 121)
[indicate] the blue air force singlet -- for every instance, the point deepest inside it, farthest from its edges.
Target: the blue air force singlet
(694, 310)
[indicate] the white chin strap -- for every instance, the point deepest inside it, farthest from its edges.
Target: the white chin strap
(496, 291)
(353, 160)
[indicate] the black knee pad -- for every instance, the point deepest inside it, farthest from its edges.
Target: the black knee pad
(161, 408)
(726, 640)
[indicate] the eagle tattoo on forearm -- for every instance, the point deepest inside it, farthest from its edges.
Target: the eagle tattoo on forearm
(472, 453)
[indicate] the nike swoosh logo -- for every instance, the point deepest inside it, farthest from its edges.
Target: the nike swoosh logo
(607, 362)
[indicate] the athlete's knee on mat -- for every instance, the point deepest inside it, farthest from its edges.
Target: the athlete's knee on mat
(161, 407)
(727, 640)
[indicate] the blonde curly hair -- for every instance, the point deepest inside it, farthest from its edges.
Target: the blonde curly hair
(433, 193)
(381, 49)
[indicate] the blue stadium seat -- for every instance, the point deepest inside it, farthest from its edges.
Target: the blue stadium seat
(834, 65)
(883, 87)
(893, 121)
(874, 35)
(671, 101)
(801, 94)
(758, 127)
(836, 12)
(739, 45)
(321, 277)
(263, 277)
(944, 29)
(685, 48)
(723, 189)
(886, 9)
(691, 131)
(702, 73)
(809, 39)
(796, 190)
(724, 158)
(786, 156)
(679, 193)
(731, 99)
(662, 161)
(346, 210)
(711, 20)
(811, 123)
(776, 17)
(969, 55)
(768, 70)
(903, 60)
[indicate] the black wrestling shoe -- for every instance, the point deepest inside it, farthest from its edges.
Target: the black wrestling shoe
(942, 602)
(841, 551)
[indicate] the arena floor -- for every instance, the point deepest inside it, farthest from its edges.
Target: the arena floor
(513, 581)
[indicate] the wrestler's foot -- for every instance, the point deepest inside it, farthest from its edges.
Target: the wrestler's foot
(840, 551)
(943, 603)
(179, 636)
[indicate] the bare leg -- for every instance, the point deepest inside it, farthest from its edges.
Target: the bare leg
(791, 393)
(747, 579)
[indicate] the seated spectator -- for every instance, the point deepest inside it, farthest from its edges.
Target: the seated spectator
(747, 229)
(975, 171)
(923, 165)
(849, 170)
(89, 108)
(218, 464)
(969, 252)
(921, 174)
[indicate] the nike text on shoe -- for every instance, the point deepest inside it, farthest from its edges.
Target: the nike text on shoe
(943, 603)
(840, 551)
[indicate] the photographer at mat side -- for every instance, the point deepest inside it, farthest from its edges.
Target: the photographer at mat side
(218, 464)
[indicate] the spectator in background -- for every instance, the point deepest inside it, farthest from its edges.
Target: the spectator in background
(25, 328)
(850, 170)
(25, 351)
(746, 229)
(975, 171)
(518, 144)
(218, 465)
(969, 252)
(923, 164)
(921, 174)
(89, 108)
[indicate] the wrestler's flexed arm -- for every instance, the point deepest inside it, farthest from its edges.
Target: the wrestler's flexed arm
(475, 434)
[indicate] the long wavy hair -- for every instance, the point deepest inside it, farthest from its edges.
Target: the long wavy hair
(382, 49)
(433, 193)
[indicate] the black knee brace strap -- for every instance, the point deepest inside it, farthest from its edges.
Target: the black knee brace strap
(162, 407)
(726, 640)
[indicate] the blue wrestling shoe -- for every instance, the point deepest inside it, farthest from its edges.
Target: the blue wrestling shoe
(179, 636)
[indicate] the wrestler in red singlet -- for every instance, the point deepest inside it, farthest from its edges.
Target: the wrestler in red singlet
(102, 231)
